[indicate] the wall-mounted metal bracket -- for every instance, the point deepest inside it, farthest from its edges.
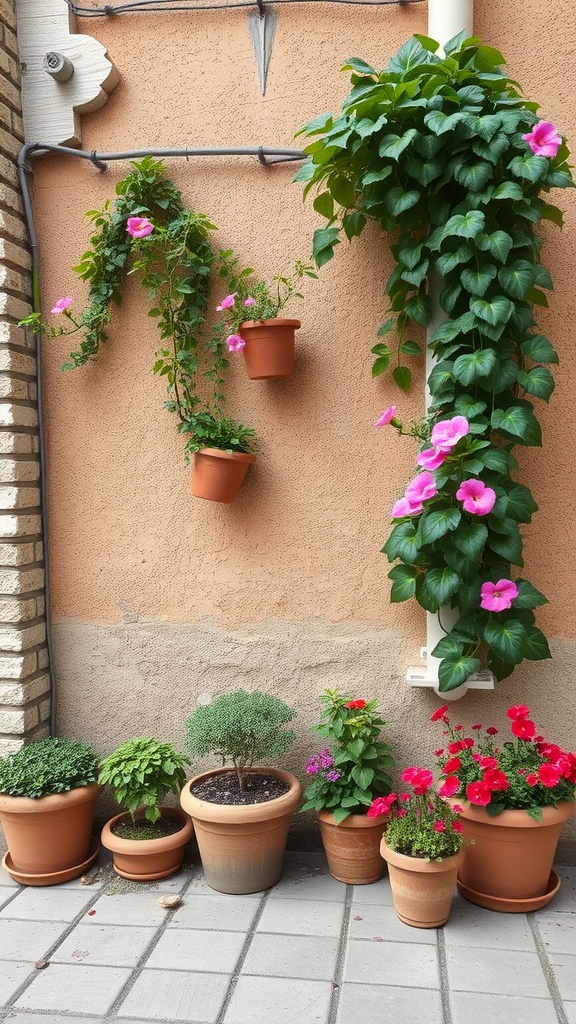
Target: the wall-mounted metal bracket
(261, 29)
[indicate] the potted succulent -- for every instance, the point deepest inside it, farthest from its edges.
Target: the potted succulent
(266, 340)
(147, 840)
(516, 796)
(346, 776)
(422, 846)
(241, 814)
(48, 791)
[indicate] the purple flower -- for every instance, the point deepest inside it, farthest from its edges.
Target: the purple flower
(227, 303)
(476, 497)
(250, 301)
(312, 766)
(403, 507)
(235, 343)
(544, 139)
(387, 416)
(431, 458)
(332, 776)
(421, 489)
(139, 227)
(447, 433)
(62, 304)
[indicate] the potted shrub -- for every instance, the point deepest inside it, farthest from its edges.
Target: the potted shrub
(346, 776)
(222, 451)
(241, 814)
(266, 340)
(422, 846)
(516, 796)
(147, 840)
(48, 791)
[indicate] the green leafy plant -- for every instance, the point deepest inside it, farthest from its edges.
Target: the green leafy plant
(48, 766)
(351, 770)
(142, 772)
(249, 299)
(242, 728)
(421, 823)
(445, 152)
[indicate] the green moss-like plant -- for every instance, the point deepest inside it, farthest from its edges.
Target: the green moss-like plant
(141, 772)
(48, 766)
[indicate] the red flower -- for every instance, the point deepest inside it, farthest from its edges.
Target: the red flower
(477, 726)
(496, 779)
(356, 705)
(381, 805)
(452, 765)
(457, 826)
(491, 731)
(449, 786)
(467, 743)
(455, 747)
(439, 713)
(479, 793)
(549, 775)
(549, 750)
(439, 826)
(488, 762)
(458, 728)
(523, 728)
(439, 752)
(532, 779)
(518, 711)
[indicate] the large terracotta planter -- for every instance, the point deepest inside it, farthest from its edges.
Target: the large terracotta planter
(353, 847)
(146, 860)
(242, 847)
(422, 890)
(49, 839)
(508, 859)
(269, 350)
(218, 475)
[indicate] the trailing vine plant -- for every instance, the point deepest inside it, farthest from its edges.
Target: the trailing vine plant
(445, 152)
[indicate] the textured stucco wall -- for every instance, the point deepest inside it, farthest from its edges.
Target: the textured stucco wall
(160, 598)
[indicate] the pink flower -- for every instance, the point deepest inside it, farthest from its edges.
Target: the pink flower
(523, 728)
(549, 775)
(422, 488)
(496, 779)
(386, 417)
(458, 808)
(402, 812)
(431, 458)
(452, 765)
(139, 227)
(476, 497)
(380, 805)
(532, 779)
(438, 714)
(449, 786)
(488, 762)
(235, 343)
(62, 304)
(446, 434)
(227, 303)
(250, 301)
(457, 826)
(455, 747)
(439, 826)
(544, 139)
(479, 793)
(439, 752)
(518, 711)
(403, 507)
(497, 597)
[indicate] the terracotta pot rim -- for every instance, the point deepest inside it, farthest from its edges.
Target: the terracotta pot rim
(518, 817)
(218, 453)
(51, 802)
(401, 860)
(353, 820)
(203, 810)
(145, 847)
(274, 321)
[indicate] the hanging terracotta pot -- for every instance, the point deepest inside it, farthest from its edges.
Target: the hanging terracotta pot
(353, 847)
(422, 890)
(508, 858)
(145, 860)
(242, 845)
(49, 839)
(218, 475)
(269, 350)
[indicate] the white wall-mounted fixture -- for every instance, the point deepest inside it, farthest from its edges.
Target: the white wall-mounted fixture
(57, 66)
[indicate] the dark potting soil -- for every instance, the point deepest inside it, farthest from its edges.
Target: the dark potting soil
(144, 829)
(224, 789)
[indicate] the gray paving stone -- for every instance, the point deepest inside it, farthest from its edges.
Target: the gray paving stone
(77, 988)
(51, 1018)
(378, 921)
(307, 877)
(34, 903)
(215, 911)
(570, 1011)
(6, 894)
(21, 941)
(392, 963)
(565, 899)
(470, 925)
(140, 908)
(359, 1003)
(292, 956)
(565, 971)
(500, 971)
(12, 975)
(478, 1006)
(107, 945)
(6, 879)
(176, 995)
(281, 1000)
(295, 917)
(377, 892)
(188, 949)
(558, 932)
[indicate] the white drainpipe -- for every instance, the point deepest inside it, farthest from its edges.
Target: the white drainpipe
(446, 18)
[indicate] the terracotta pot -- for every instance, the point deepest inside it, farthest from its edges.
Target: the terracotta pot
(145, 860)
(49, 835)
(422, 890)
(218, 475)
(353, 847)
(269, 350)
(510, 857)
(242, 846)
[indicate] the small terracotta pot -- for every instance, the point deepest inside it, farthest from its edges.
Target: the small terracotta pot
(145, 860)
(50, 835)
(242, 846)
(218, 475)
(269, 350)
(510, 856)
(353, 847)
(422, 890)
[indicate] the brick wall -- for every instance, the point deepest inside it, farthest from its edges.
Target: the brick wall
(24, 681)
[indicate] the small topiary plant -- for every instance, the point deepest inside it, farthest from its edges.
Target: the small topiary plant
(48, 766)
(241, 727)
(141, 772)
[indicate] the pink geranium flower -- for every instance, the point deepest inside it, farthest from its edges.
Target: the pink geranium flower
(227, 303)
(544, 139)
(431, 458)
(386, 417)
(439, 826)
(62, 304)
(523, 728)
(498, 597)
(449, 786)
(549, 775)
(479, 793)
(476, 497)
(518, 711)
(403, 507)
(235, 343)
(250, 301)
(422, 488)
(380, 805)
(139, 227)
(447, 433)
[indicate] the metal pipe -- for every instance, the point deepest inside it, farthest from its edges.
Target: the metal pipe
(145, 6)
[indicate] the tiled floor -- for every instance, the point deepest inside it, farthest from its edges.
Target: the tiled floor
(309, 951)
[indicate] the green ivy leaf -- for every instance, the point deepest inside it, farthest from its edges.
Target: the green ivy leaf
(520, 504)
(380, 365)
(499, 244)
(394, 145)
(452, 672)
(419, 309)
(440, 585)
(404, 585)
(518, 422)
(436, 524)
(380, 175)
(465, 225)
(324, 205)
(359, 65)
(323, 243)
(508, 190)
(477, 281)
(517, 278)
(539, 349)
(496, 311)
(528, 596)
(538, 381)
(402, 543)
(531, 167)
(410, 348)
(449, 260)
(501, 668)
(402, 377)
(353, 224)
(469, 406)
(474, 176)
(509, 639)
(537, 648)
(469, 368)
(470, 539)
(397, 200)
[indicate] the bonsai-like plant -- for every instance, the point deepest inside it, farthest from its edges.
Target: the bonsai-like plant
(142, 772)
(421, 823)
(445, 152)
(242, 728)
(48, 766)
(351, 770)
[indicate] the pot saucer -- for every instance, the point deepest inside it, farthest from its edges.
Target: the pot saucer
(54, 877)
(511, 906)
